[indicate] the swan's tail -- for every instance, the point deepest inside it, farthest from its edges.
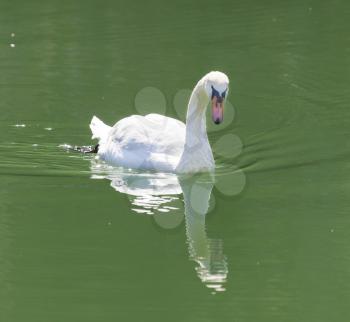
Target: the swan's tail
(99, 130)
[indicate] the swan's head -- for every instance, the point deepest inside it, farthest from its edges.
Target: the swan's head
(216, 88)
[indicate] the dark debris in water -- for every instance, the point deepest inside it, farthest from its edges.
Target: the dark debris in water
(81, 149)
(86, 148)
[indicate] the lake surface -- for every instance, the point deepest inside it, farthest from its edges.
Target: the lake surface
(265, 239)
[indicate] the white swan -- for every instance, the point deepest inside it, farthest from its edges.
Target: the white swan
(160, 143)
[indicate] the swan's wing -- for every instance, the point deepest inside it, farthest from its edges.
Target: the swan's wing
(164, 121)
(152, 133)
(152, 141)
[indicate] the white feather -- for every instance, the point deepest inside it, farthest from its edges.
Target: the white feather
(99, 130)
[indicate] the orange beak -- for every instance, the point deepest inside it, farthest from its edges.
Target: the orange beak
(217, 109)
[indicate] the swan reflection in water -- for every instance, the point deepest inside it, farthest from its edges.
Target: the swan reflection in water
(155, 194)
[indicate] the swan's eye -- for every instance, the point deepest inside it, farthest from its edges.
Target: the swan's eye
(224, 93)
(214, 92)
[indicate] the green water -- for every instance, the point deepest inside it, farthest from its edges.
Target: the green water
(77, 244)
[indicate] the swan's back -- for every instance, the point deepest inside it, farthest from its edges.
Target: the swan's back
(153, 142)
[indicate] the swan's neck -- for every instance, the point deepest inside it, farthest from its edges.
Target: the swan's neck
(196, 129)
(197, 154)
